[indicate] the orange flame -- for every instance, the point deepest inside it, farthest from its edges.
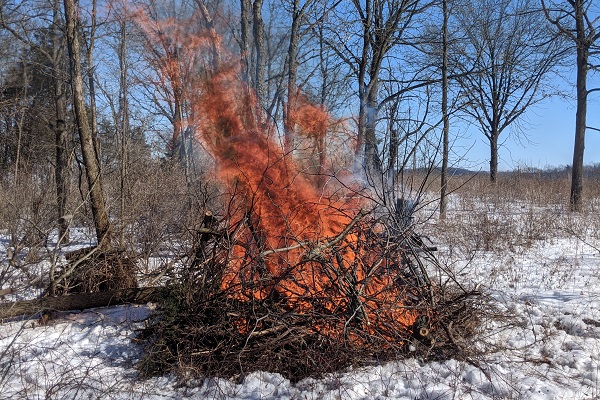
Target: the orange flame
(292, 243)
(289, 228)
(312, 120)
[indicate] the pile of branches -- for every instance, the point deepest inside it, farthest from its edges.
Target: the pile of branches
(208, 338)
(203, 328)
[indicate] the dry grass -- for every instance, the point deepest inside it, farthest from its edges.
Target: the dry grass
(521, 209)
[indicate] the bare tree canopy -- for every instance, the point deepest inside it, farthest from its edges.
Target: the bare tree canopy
(511, 52)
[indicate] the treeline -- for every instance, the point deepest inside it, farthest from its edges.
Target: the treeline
(551, 172)
(589, 171)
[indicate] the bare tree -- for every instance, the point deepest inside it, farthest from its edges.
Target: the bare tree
(382, 26)
(172, 40)
(445, 116)
(510, 47)
(88, 149)
(577, 21)
(298, 16)
(123, 115)
(252, 46)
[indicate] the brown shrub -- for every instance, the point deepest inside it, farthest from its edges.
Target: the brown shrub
(87, 272)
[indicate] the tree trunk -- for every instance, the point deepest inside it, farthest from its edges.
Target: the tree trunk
(366, 153)
(446, 128)
(123, 122)
(245, 17)
(581, 114)
(180, 151)
(61, 171)
(321, 177)
(584, 36)
(261, 52)
(291, 84)
(81, 301)
(214, 37)
(359, 151)
(372, 161)
(90, 158)
(360, 163)
(21, 123)
(493, 157)
(91, 83)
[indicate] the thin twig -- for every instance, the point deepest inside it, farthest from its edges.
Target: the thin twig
(316, 252)
(281, 250)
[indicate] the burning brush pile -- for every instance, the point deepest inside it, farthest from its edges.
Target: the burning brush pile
(291, 279)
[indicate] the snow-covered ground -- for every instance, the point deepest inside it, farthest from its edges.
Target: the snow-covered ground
(549, 350)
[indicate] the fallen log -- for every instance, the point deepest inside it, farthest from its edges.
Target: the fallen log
(81, 301)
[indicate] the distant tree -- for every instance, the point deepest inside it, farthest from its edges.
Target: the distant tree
(180, 47)
(366, 41)
(511, 51)
(19, 98)
(579, 22)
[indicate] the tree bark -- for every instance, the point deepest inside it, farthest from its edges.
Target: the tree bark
(61, 171)
(446, 128)
(288, 126)
(359, 151)
(581, 114)
(81, 301)
(493, 157)
(245, 17)
(123, 121)
(261, 51)
(90, 156)
(91, 82)
(180, 150)
(372, 160)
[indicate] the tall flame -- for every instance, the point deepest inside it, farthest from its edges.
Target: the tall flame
(282, 209)
(296, 245)
(293, 244)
